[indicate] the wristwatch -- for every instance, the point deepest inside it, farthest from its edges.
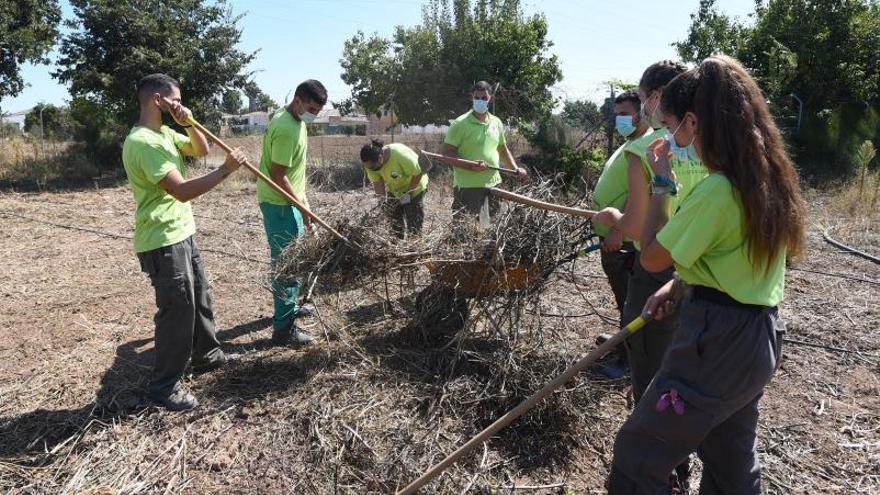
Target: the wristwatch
(663, 185)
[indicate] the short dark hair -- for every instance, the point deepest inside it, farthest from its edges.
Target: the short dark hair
(631, 96)
(156, 83)
(312, 90)
(371, 152)
(658, 75)
(482, 86)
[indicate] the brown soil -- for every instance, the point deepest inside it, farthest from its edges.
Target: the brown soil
(363, 411)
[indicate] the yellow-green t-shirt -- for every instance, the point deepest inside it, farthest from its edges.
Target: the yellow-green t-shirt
(398, 171)
(476, 140)
(688, 173)
(706, 239)
(285, 143)
(613, 184)
(148, 156)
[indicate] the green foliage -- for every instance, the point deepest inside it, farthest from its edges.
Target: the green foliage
(825, 52)
(231, 102)
(425, 72)
(113, 44)
(28, 29)
(557, 155)
(865, 154)
(710, 32)
(55, 122)
(583, 115)
(257, 99)
(8, 129)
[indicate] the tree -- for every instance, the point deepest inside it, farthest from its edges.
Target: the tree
(28, 29)
(822, 52)
(257, 99)
(232, 102)
(55, 122)
(113, 44)
(710, 32)
(424, 73)
(582, 114)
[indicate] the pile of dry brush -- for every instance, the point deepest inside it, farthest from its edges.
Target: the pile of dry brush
(453, 267)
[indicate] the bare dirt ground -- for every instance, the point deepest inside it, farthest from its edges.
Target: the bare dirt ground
(366, 410)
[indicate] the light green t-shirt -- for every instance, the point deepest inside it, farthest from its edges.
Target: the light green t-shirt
(285, 143)
(148, 156)
(613, 184)
(398, 171)
(688, 173)
(476, 140)
(706, 239)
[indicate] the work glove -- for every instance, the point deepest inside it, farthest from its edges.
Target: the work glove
(405, 199)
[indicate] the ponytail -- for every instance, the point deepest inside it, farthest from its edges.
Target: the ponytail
(371, 152)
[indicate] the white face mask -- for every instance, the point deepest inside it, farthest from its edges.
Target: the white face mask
(481, 106)
(651, 115)
(307, 117)
(683, 153)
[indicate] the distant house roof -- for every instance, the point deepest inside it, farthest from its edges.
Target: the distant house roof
(334, 116)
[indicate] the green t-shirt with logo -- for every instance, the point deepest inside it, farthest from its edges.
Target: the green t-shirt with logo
(398, 171)
(148, 156)
(706, 239)
(476, 140)
(688, 173)
(285, 143)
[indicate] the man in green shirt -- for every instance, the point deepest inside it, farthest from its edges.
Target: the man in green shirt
(618, 252)
(396, 175)
(163, 237)
(479, 136)
(285, 146)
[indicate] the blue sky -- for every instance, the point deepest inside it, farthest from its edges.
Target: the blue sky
(299, 39)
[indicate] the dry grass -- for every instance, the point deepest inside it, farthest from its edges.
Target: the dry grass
(374, 404)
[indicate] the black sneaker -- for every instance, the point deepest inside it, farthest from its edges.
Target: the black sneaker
(199, 367)
(306, 310)
(294, 337)
(179, 400)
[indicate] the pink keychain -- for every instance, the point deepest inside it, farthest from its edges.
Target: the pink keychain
(671, 398)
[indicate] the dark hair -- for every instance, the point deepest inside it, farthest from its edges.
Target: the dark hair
(312, 90)
(658, 75)
(156, 83)
(629, 96)
(371, 152)
(738, 137)
(482, 86)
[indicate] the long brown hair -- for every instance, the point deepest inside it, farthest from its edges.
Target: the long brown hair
(738, 137)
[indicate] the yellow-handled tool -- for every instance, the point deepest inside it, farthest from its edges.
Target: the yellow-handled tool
(594, 355)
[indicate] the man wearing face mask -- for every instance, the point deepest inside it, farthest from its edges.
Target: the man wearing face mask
(153, 157)
(479, 136)
(284, 160)
(611, 190)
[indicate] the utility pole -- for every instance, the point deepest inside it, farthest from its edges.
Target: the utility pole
(494, 96)
(609, 131)
(42, 130)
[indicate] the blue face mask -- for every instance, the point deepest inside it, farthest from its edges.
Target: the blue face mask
(481, 106)
(683, 153)
(624, 125)
(307, 117)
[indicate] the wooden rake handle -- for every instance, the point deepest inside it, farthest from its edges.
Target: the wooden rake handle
(301, 207)
(462, 163)
(594, 355)
(525, 200)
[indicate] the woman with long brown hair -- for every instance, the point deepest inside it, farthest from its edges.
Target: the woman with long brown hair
(728, 241)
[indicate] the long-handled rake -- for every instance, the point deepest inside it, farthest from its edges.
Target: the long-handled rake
(593, 356)
(301, 207)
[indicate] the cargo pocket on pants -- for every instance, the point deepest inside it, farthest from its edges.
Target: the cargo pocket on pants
(171, 292)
